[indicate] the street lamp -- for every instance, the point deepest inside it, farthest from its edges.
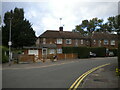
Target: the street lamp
(10, 43)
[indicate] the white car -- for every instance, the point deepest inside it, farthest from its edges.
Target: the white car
(111, 54)
(92, 54)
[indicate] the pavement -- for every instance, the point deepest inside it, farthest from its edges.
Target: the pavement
(104, 77)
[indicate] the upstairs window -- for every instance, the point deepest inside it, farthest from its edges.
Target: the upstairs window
(105, 42)
(81, 41)
(59, 41)
(68, 41)
(112, 42)
(94, 41)
(44, 40)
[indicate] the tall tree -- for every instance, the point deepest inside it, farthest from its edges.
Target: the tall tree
(21, 29)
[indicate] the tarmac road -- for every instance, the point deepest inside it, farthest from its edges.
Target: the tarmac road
(57, 75)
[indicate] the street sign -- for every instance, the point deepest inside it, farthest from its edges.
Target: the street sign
(9, 43)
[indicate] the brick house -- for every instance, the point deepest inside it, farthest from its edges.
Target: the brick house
(51, 42)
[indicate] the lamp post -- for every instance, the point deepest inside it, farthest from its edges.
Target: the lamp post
(10, 43)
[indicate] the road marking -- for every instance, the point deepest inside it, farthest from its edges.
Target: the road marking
(75, 85)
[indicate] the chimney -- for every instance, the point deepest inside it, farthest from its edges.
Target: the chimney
(61, 28)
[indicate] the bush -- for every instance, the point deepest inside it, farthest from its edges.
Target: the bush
(99, 51)
(4, 54)
(115, 51)
(83, 52)
(119, 55)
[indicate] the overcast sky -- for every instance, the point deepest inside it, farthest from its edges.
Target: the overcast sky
(45, 14)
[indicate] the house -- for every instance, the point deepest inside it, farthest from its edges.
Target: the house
(50, 43)
(104, 39)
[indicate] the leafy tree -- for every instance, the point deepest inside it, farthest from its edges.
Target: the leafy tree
(22, 33)
(88, 26)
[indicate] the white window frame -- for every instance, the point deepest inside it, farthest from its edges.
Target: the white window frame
(81, 41)
(59, 41)
(44, 40)
(70, 41)
(59, 51)
(106, 43)
(76, 42)
(32, 52)
(94, 41)
(112, 42)
(51, 51)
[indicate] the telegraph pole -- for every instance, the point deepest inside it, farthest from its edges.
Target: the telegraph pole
(10, 43)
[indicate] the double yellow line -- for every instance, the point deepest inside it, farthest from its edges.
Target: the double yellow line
(75, 85)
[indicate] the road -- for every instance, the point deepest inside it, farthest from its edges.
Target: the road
(56, 76)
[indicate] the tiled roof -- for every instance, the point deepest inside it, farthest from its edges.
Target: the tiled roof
(76, 35)
(60, 34)
(101, 35)
(41, 46)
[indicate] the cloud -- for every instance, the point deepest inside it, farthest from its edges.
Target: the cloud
(45, 15)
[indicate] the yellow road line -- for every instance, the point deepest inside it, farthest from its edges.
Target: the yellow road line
(75, 85)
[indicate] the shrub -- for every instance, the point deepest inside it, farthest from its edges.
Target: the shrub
(99, 51)
(83, 52)
(119, 55)
(4, 54)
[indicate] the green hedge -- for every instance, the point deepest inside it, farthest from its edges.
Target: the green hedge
(4, 57)
(115, 51)
(83, 52)
(119, 55)
(99, 51)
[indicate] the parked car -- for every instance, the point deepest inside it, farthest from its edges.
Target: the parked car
(111, 54)
(92, 54)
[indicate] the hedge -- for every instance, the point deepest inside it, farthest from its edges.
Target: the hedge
(83, 52)
(119, 55)
(99, 51)
(4, 57)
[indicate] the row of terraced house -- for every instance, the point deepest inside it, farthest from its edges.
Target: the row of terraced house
(51, 42)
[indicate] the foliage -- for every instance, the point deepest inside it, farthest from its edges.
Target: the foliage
(4, 54)
(21, 29)
(119, 55)
(98, 25)
(77, 50)
(99, 51)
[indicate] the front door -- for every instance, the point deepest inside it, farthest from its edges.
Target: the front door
(99, 43)
(44, 53)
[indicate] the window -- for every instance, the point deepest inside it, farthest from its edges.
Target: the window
(51, 51)
(33, 52)
(59, 41)
(105, 42)
(112, 42)
(76, 42)
(68, 41)
(94, 41)
(59, 50)
(81, 41)
(44, 40)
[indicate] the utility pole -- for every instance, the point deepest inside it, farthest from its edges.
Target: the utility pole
(10, 43)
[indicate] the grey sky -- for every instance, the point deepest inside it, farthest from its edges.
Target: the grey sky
(44, 15)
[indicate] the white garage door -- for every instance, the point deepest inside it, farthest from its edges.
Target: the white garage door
(31, 52)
